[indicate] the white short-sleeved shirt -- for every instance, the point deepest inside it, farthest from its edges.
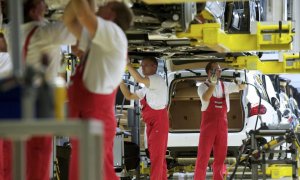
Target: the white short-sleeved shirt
(106, 60)
(156, 94)
(47, 39)
(5, 65)
(229, 87)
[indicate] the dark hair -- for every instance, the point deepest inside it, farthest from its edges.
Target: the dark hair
(28, 5)
(124, 15)
(209, 65)
(152, 59)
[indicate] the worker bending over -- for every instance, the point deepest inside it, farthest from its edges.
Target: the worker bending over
(214, 95)
(153, 98)
(93, 87)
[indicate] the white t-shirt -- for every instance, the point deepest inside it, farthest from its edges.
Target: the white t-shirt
(5, 65)
(106, 59)
(47, 39)
(156, 94)
(229, 87)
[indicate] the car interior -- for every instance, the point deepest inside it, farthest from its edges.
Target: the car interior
(185, 111)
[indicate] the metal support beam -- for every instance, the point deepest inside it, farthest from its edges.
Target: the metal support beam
(254, 166)
(19, 160)
(296, 11)
(276, 10)
(16, 19)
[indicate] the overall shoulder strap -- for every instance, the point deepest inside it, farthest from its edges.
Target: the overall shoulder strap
(27, 41)
(223, 88)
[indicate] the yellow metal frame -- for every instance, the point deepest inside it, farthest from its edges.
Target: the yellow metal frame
(144, 169)
(212, 36)
(176, 1)
(297, 129)
(290, 64)
(277, 171)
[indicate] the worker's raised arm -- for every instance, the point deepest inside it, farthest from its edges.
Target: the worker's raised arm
(211, 87)
(70, 20)
(209, 92)
(127, 94)
(86, 15)
(137, 76)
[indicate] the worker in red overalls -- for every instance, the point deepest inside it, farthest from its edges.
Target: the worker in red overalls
(93, 87)
(153, 98)
(39, 39)
(214, 95)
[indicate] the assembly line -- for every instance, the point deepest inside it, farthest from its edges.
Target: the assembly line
(162, 89)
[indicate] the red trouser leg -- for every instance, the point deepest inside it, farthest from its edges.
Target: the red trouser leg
(204, 150)
(1, 159)
(157, 134)
(220, 153)
(7, 162)
(38, 154)
(109, 172)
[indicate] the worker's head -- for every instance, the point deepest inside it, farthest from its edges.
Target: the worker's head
(3, 46)
(149, 66)
(117, 12)
(213, 67)
(34, 10)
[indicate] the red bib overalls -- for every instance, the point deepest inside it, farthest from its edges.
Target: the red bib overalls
(87, 105)
(38, 148)
(213, 135)
(157, 122)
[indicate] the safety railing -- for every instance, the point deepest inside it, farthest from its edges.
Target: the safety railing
(89, 134)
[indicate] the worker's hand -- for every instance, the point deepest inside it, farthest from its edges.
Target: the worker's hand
(241, 84)
(213, 79)
(238, 81)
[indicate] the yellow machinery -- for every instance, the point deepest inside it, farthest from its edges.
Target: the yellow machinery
(173, 1)
(289, 64)
(297, 130)
(257, 158)
(277, 171)
(60, 96)
(266, 37)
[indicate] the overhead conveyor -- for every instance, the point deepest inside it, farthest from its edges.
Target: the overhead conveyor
(265, 37)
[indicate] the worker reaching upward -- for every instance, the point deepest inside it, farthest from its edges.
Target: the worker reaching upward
(93, 87)
(153, 98)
